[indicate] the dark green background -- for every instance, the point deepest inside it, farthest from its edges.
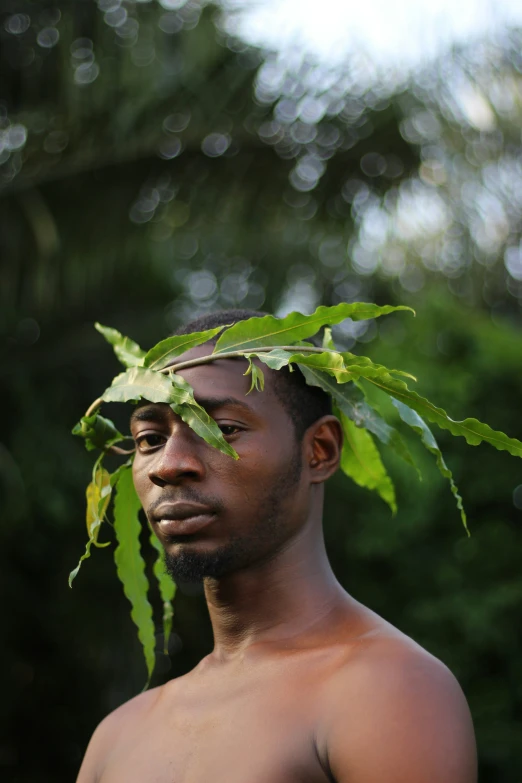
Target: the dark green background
(121, 206)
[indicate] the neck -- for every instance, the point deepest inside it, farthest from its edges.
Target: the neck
(281, 598)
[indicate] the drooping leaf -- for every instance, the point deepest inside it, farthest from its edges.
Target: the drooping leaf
(360, 459)
(167, 590)
(86, 554)
(97, 492)
(140, 383)
(128, 352)
(472, 430)
(97, 432)
(413, 420)
(351, 401)
(258, 378)
(204, 425)
(197, 417)
(269, 330)
(163, 354)
(98, 496)
(130, 565)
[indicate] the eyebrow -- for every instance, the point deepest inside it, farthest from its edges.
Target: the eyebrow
(150, 412)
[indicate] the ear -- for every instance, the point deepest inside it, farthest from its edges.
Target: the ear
(323, 443)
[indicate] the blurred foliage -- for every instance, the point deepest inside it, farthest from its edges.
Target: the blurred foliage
(152, 166)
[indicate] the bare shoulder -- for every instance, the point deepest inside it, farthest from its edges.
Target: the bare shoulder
(124, 717)
(396, 713)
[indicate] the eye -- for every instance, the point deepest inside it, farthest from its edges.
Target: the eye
(149, 442)
(229, 429)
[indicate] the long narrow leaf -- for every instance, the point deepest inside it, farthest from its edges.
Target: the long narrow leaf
(167, 590)
(162, 354)
(197, 417)
(472, 430)
(128, 352)
(361, 461)
(413, 420)
(204, 425)
(269, 330)
(350, 400)
(130, 565)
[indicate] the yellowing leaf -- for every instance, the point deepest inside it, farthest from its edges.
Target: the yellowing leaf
(98, 495)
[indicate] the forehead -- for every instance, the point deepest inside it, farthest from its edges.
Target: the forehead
(225, 378)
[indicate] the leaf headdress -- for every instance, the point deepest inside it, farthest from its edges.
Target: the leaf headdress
(277, 343)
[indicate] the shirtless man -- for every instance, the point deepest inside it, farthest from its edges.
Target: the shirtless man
(305, 685)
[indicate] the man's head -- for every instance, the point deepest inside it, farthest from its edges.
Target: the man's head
(215, 515)
(303, 403)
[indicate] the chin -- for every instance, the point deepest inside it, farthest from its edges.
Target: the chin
(192, 563)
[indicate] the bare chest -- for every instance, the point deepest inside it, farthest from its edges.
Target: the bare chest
(258, 733)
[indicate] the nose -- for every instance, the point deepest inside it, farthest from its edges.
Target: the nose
(179, 459)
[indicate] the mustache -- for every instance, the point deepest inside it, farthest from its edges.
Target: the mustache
(185, 495)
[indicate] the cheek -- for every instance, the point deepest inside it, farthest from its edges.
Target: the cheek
(140, 478)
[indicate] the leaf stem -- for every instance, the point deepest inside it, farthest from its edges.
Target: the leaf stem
(93, 407)
(246, 352)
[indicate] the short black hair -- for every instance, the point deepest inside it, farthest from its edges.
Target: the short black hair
(303, 403)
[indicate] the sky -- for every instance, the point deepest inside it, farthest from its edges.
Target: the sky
(399, 33)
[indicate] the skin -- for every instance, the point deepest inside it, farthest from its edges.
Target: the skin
(304, 685)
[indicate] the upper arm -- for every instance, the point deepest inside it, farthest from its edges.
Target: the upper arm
(405, 720)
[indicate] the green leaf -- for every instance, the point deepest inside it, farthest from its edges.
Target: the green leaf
(360, 459)
(362, 366)
(128, 352)
(130, 565)
(98, 432)
(331, 361)
(140, 383)
(162, 354)
(197, 418)
(413, 420)
(274, 359)
(258, 378)
(204, 425)
(343, 366)
(269, 330)
(167, 590)
(351, 401)
(472, 430)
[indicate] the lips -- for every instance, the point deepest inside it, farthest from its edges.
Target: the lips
(182, 518)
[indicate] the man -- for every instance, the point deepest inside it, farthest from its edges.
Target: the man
(305, 685)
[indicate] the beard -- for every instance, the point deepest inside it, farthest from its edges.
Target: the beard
(265, 534)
